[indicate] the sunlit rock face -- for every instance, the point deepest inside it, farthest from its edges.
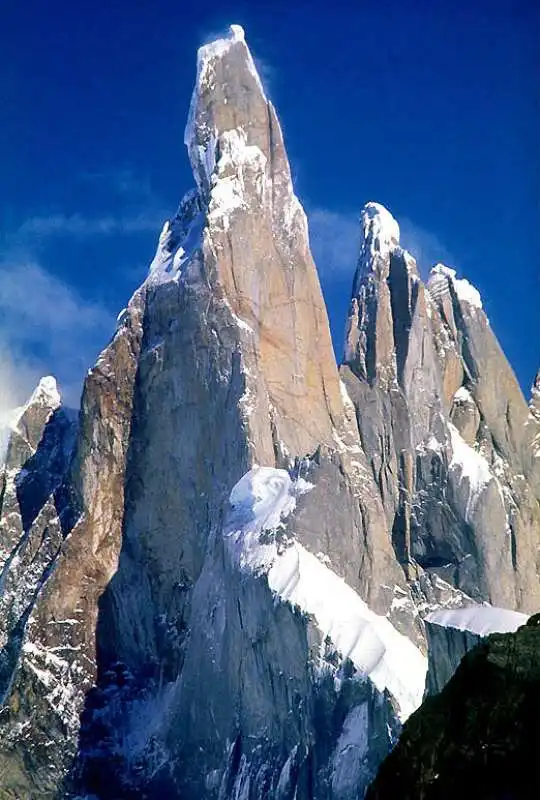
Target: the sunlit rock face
(445, 427)
(182, 672)
(214, 585)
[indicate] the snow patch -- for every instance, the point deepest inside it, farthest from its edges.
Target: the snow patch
(60, 680)
(480, 620)
(242, 324)
(380, 231)
(463, 396)
(46, 394)
(470, 466)
(176, 247)
(464, 290)
(238, 163)
(258, 542)
(432, 444)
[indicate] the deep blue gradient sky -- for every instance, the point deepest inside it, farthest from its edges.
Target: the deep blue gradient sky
(429, 108)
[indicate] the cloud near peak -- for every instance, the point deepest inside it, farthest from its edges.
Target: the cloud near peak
(80, 226)
(46, 327)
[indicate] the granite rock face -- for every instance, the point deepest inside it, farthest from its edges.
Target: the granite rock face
(35, 513)
(214, 586)
(235, 369)
(445, 426)
(221, 362)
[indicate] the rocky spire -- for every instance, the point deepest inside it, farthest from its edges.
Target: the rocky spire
(419, 366)
(246, 531)
(26, 424)
(255, 249)
(222, 363)
(34, 515)
(383, 302)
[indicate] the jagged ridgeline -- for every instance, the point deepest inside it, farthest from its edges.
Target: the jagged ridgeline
(215, 583)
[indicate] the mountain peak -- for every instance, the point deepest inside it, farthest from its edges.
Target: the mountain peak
(379, 228)
(441, 277)
(379, 237)
(228, 96)
(46, 394)
(236, 33)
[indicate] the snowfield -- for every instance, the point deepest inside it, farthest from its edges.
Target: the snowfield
(260, 502)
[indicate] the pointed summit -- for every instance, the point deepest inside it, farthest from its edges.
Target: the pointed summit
(380, 231)
(25, 425)
(228, 96)
(46, 394)
(385, 278)
(443, 279)
(240, 242)
(379, 237)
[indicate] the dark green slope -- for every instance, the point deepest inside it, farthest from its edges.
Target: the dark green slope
(480, 737)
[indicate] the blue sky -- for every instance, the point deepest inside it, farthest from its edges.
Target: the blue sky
(428, 108)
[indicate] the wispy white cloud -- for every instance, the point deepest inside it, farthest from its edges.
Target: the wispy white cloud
(334, 239)
(45, 327)
(123, 181)
(80, 226)
(425, 246)
(125, 204)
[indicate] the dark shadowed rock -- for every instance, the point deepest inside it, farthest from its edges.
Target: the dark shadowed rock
(478, 737)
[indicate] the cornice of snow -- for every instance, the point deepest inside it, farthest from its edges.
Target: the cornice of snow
(260, 502)
(464, 290)
(478, 619)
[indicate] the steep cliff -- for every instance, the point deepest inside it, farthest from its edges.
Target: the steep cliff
(192, 671)
(235, 369)
(214, 586)
(452, 633)
(445, 426)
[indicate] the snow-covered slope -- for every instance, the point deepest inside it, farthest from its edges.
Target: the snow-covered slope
(261, 501)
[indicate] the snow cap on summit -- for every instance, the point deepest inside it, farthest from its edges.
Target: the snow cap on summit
(236, 32)
(464, 290)
(46, 393)
(380, 231)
